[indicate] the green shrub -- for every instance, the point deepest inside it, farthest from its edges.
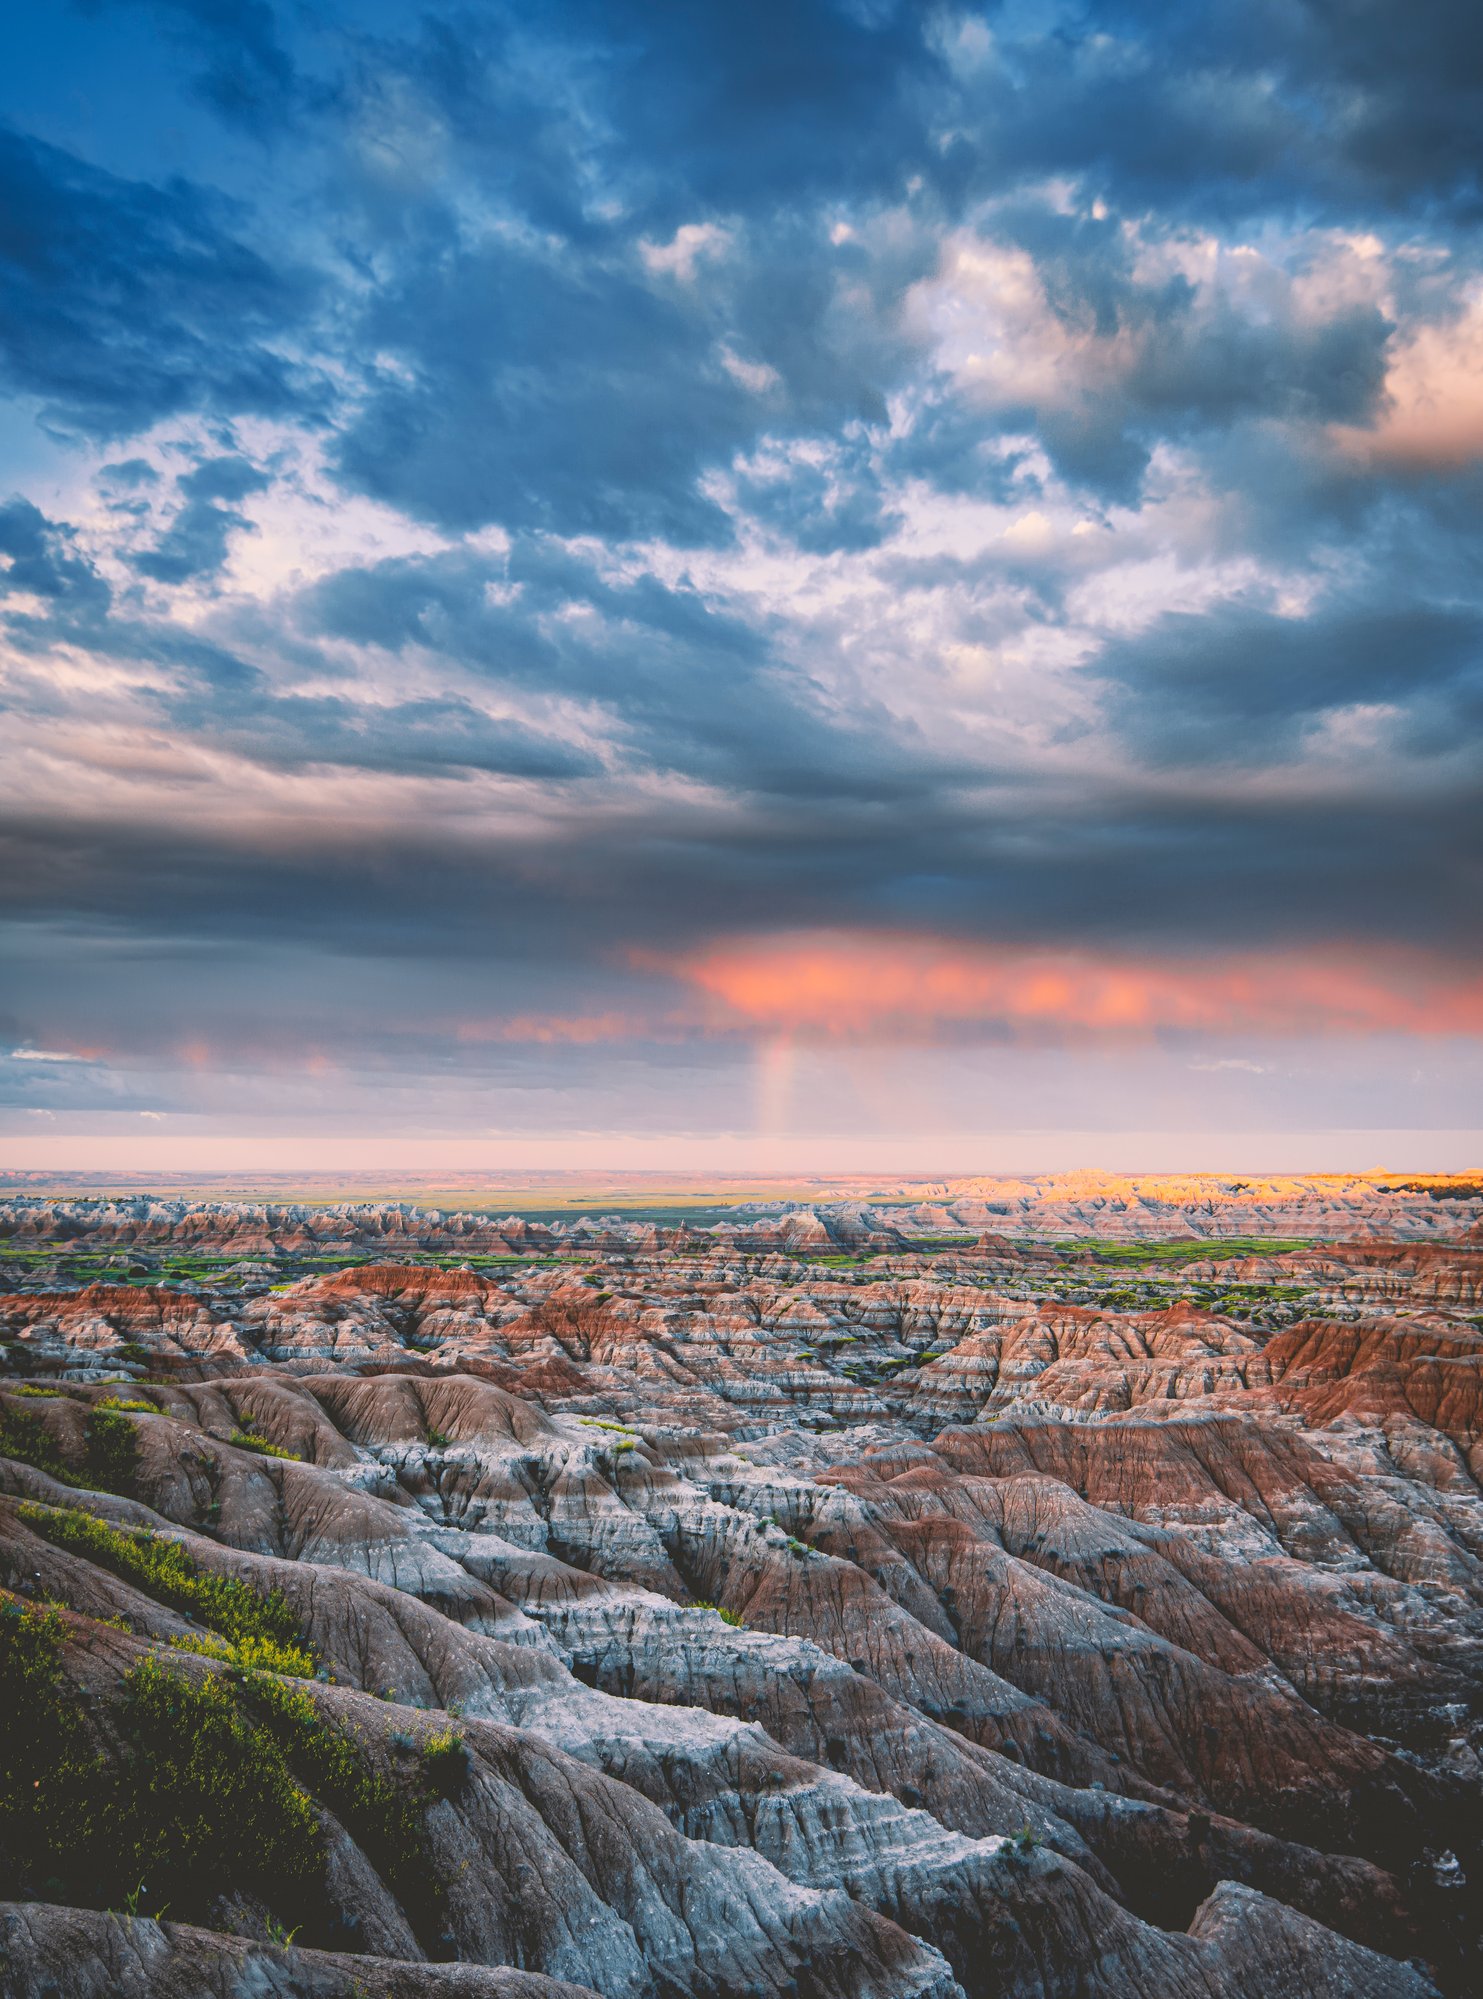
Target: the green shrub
(26, 1438)
(445, 1759)
(199, 1801)
(134, 1408)
(209, 1793)
(162, 1569)
(111, 1459)
(250, 1655)
(384, 1821)
(205, 1799)
(29, 1388)
(212, 1789)
(438, 1439)
(48, 1787)
(249, 1440)
(726, 1616)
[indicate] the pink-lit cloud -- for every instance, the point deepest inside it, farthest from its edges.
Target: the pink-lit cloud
(1432, 418)
(881, 985)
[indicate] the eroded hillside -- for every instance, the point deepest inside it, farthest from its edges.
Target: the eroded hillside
(831, 1603)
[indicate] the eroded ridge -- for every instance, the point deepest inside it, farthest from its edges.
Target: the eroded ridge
(797, 1604)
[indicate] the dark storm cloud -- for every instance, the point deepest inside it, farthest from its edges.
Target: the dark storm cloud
(1148, 872)
(214, 695)
(1196, 362)
(1241, 684)
(122, 302)
(572, 400)
(1396, 92)
(1225, 109)
(409, 738)
(690, 688)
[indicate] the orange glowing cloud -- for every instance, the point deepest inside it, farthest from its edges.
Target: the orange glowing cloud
(886, 986)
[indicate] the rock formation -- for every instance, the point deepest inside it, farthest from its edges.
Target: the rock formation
(755, 1608)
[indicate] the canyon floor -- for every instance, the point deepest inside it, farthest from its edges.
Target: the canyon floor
(1061, 1594)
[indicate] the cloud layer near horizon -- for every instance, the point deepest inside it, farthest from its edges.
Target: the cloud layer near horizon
(552, 550)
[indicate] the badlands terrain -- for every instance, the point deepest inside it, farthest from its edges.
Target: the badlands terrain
(1023, 1588)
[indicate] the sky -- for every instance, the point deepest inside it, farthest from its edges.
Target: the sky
(817, 583)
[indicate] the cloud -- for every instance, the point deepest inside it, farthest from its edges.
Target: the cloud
(677, 680)
(41, 559)
(655, 527)
(1431, 418)
(561, 1030)
(1103, 337)
(893, 987)
(122, 302)
(1243, 683)
(579, 390)
(194, 545)
(691, 241)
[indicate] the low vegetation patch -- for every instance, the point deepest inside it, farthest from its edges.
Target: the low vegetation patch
(162, 1569)
(75, 1824)
(247, 1439)
(47, 1788)
(111, 1455)
(382, 1817)
(206, 1801)
(211, 1790)
(446, 1762)
(26, 1438)
(250, 1655)
(1181, 1249)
